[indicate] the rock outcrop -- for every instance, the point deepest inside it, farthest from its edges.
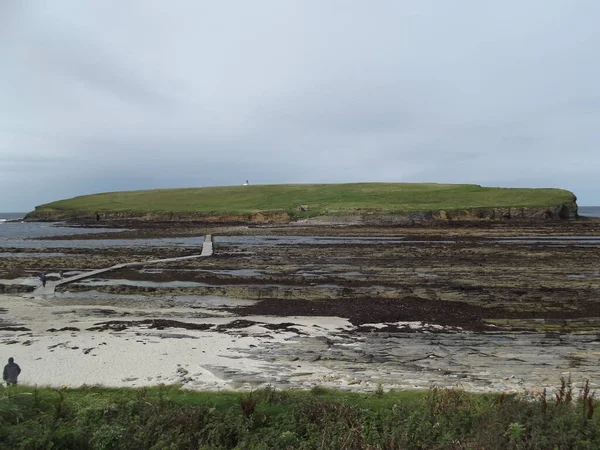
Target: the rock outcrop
(15, 288)
(355, 217)
(130, 216)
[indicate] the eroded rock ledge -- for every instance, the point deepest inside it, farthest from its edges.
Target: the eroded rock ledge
(356, 217)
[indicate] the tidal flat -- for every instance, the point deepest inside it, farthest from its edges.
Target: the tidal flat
(486, 306)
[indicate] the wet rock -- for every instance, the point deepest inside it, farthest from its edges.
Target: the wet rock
(278, 326)
(241, 323)
(14, 329)
(15, 288)
(176, 336)
(159, 324)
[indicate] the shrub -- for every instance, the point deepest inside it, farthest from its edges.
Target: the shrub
(172, 419)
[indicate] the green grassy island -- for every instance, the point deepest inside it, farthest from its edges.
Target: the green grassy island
(285, 202)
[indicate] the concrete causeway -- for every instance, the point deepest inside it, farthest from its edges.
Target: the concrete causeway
(50, 288)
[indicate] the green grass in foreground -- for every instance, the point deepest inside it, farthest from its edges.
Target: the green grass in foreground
(169, 418)
(334, 198)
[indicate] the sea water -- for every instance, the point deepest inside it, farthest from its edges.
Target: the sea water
(589, 211)
(18, 234)
(11, 216)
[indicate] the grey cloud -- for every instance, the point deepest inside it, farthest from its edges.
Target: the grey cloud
(100, 71)
(111, 95)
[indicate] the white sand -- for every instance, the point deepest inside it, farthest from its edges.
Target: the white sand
(254, 356)
(137, 356)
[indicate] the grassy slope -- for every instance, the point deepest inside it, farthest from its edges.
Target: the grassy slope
(336, 198)
(169, 418)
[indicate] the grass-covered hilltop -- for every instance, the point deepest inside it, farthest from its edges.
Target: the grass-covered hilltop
(395, 202)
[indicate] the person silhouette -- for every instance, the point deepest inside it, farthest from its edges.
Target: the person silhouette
(11, 372)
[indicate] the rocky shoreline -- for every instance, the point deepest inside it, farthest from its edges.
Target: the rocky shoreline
(358, 217)
(71, 342)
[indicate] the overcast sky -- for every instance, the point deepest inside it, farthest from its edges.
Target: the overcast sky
(105, 95)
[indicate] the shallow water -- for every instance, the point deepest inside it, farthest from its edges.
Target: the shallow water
(200, 301)
(311, 240)
(104, 243)
(86, 295)
(25, 281)
(237, 272)
(28, 230)
(212, 301)
(26, 234)
(35, 255)
(549, 240)
(170, 284)
(141, 283)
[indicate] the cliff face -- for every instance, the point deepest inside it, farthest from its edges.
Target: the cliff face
(555, 212)
(104, 216)
(558, 212)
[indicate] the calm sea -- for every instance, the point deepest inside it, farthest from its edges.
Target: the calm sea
(11, 228)
(4, 216)
(589, 211)
(15, 233)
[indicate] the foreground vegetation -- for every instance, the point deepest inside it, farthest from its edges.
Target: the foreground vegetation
(168, 418)
(356, 198)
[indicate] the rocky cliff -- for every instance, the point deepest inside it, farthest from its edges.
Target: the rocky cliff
(357, 217)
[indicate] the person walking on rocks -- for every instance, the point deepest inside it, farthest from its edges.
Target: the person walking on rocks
(43, 279)
(11, 372)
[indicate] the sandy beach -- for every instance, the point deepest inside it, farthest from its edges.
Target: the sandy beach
(57, 349)
(91, 341)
